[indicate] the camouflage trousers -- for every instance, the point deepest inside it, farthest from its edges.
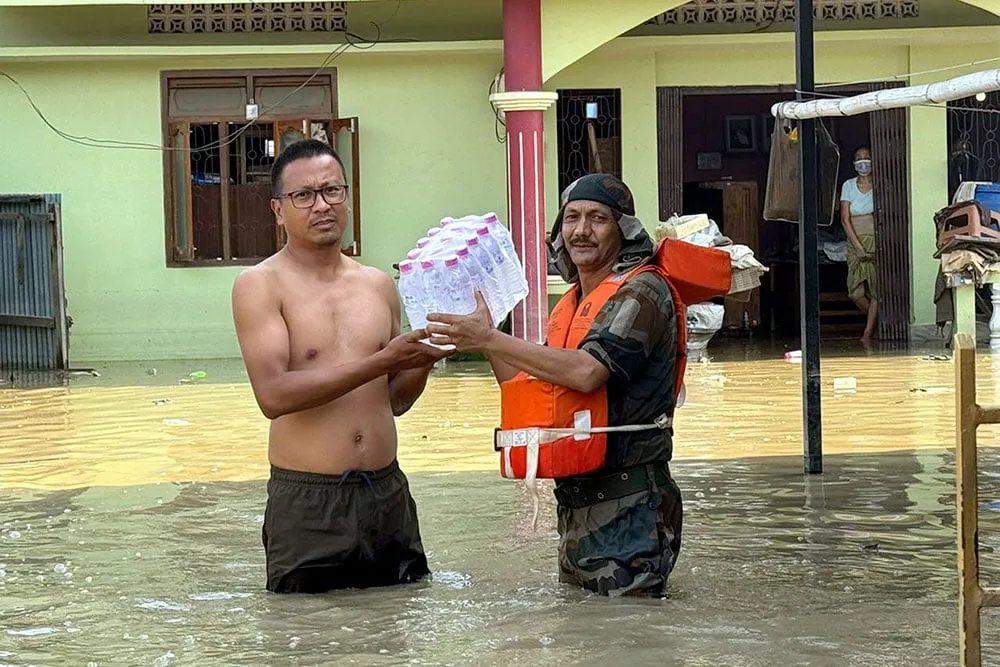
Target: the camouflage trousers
(620, 534)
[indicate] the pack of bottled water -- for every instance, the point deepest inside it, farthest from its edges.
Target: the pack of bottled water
(456, 259)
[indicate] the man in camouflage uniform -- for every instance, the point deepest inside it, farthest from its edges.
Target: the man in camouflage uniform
(619, 528)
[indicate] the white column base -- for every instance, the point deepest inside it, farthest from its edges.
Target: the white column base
(995, 318)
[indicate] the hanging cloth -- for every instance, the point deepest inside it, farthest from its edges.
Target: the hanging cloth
(781, 199)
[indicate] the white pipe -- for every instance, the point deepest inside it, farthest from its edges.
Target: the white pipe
(892, 98)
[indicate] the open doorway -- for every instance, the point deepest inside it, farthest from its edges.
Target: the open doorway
(714, 156)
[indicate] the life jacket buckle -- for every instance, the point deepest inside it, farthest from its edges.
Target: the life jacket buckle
(663, 422)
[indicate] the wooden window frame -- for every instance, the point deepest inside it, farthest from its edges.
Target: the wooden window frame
(212, 78)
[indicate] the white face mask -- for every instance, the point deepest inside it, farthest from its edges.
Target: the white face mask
(863, 167)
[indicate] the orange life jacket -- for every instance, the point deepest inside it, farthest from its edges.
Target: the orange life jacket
(549, 431)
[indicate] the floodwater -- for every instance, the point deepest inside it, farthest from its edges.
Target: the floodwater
(131, 506)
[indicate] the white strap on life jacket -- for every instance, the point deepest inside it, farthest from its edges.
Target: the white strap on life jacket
(533, 436)
(531, 473)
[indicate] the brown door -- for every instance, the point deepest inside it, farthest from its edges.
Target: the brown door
(892, 211)
(670, 149)
(740, 219)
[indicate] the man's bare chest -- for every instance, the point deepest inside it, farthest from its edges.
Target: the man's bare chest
(336, 327)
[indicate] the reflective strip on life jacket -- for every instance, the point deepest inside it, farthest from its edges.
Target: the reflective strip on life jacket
(535, 436)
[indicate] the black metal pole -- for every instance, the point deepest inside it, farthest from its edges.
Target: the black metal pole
(812, 425)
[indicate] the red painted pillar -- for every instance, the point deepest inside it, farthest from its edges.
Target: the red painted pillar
(523, 103)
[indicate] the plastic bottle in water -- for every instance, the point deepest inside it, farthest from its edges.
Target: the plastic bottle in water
(491, 278)
(458, 288)
(410, 292)
(479, 282)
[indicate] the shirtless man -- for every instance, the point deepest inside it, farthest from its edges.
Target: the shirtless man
(320, 338)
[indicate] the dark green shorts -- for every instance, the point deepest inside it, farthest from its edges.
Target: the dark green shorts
(620, 533)
(356, 530)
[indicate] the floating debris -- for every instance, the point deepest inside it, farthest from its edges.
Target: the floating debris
(848, 384)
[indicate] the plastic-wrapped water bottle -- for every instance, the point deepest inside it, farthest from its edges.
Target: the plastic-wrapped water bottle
(486, 258)
(502, 236)
(432, 288)
(491, 278)
(439, 243)
(513, 273)
(448, 242)
(480, 282)
(410, 292)
(464, 221)
(446, 290)
(459, 288)
(510, 273)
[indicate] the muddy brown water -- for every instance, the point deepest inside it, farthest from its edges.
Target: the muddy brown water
(131, 507)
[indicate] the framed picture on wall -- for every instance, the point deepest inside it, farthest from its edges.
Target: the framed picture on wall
(709, 161)
(741, 134)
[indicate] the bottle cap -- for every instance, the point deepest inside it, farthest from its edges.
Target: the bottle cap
(451, 262)
(427, 264)
(405, 266)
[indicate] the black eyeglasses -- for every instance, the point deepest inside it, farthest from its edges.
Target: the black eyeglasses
(332, 194)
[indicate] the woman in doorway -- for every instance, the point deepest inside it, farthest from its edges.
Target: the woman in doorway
(857, 215)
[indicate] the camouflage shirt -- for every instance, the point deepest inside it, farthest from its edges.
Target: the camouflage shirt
(635, 337)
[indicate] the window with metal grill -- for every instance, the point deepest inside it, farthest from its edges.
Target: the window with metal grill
(217, 168)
